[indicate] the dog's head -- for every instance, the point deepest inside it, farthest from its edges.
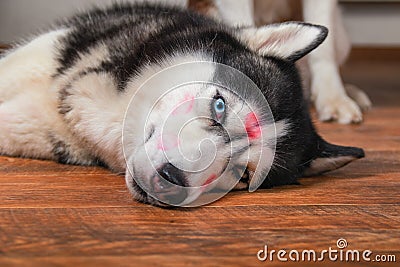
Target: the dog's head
(215, 130)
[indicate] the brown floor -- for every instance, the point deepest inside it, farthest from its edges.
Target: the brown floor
(61, 215)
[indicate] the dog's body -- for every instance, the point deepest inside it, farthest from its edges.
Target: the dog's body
(63, 96)
(333, 99)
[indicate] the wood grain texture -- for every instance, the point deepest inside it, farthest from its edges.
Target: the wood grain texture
(60, 215)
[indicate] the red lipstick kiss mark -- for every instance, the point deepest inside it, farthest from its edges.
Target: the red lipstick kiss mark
(185, 106)
(167, 142)
(252, 125)
(210, 179)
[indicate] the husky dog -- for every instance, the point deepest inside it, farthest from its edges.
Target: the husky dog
(333, 100)
(64, 96)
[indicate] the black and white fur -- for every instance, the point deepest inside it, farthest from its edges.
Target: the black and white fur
(63, 95)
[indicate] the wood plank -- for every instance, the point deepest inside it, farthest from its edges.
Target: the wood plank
(217, 231)
(184, 260)
(327, 190)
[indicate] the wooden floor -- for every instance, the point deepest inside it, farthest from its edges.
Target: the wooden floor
(58, 215)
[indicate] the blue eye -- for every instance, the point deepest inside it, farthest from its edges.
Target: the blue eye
(219, 107)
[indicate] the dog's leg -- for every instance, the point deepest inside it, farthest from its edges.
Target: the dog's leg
(342, 49)
(327, 89)
(24, 127)
(30, 125)
(25, 78)
(359, 96)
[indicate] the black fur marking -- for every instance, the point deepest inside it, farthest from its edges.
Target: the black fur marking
(245, 177)
(138, 190)
(216, 127)
(240, 151)
(150, 134)
(61, 151)
(117, 27)
(331, 151)
(63, 94)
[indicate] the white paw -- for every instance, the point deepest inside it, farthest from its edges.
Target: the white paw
(341, 108)
(359, 96)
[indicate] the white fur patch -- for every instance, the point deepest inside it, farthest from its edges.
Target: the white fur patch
(281, 40)
(144, 99)
(321, 165)
(29, 66)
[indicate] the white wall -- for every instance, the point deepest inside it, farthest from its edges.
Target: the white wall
(19, 18)
(368, 24)
(373, 24)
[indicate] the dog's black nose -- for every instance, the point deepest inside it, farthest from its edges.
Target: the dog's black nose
(172, 174)
(169, 185)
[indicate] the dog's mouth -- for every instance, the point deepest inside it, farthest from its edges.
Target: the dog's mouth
(143, 197)
(166, 187)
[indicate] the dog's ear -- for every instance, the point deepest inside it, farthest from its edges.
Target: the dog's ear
(330, 157)
(290, 40)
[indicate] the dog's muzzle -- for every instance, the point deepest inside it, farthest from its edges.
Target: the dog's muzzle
(169, 185)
